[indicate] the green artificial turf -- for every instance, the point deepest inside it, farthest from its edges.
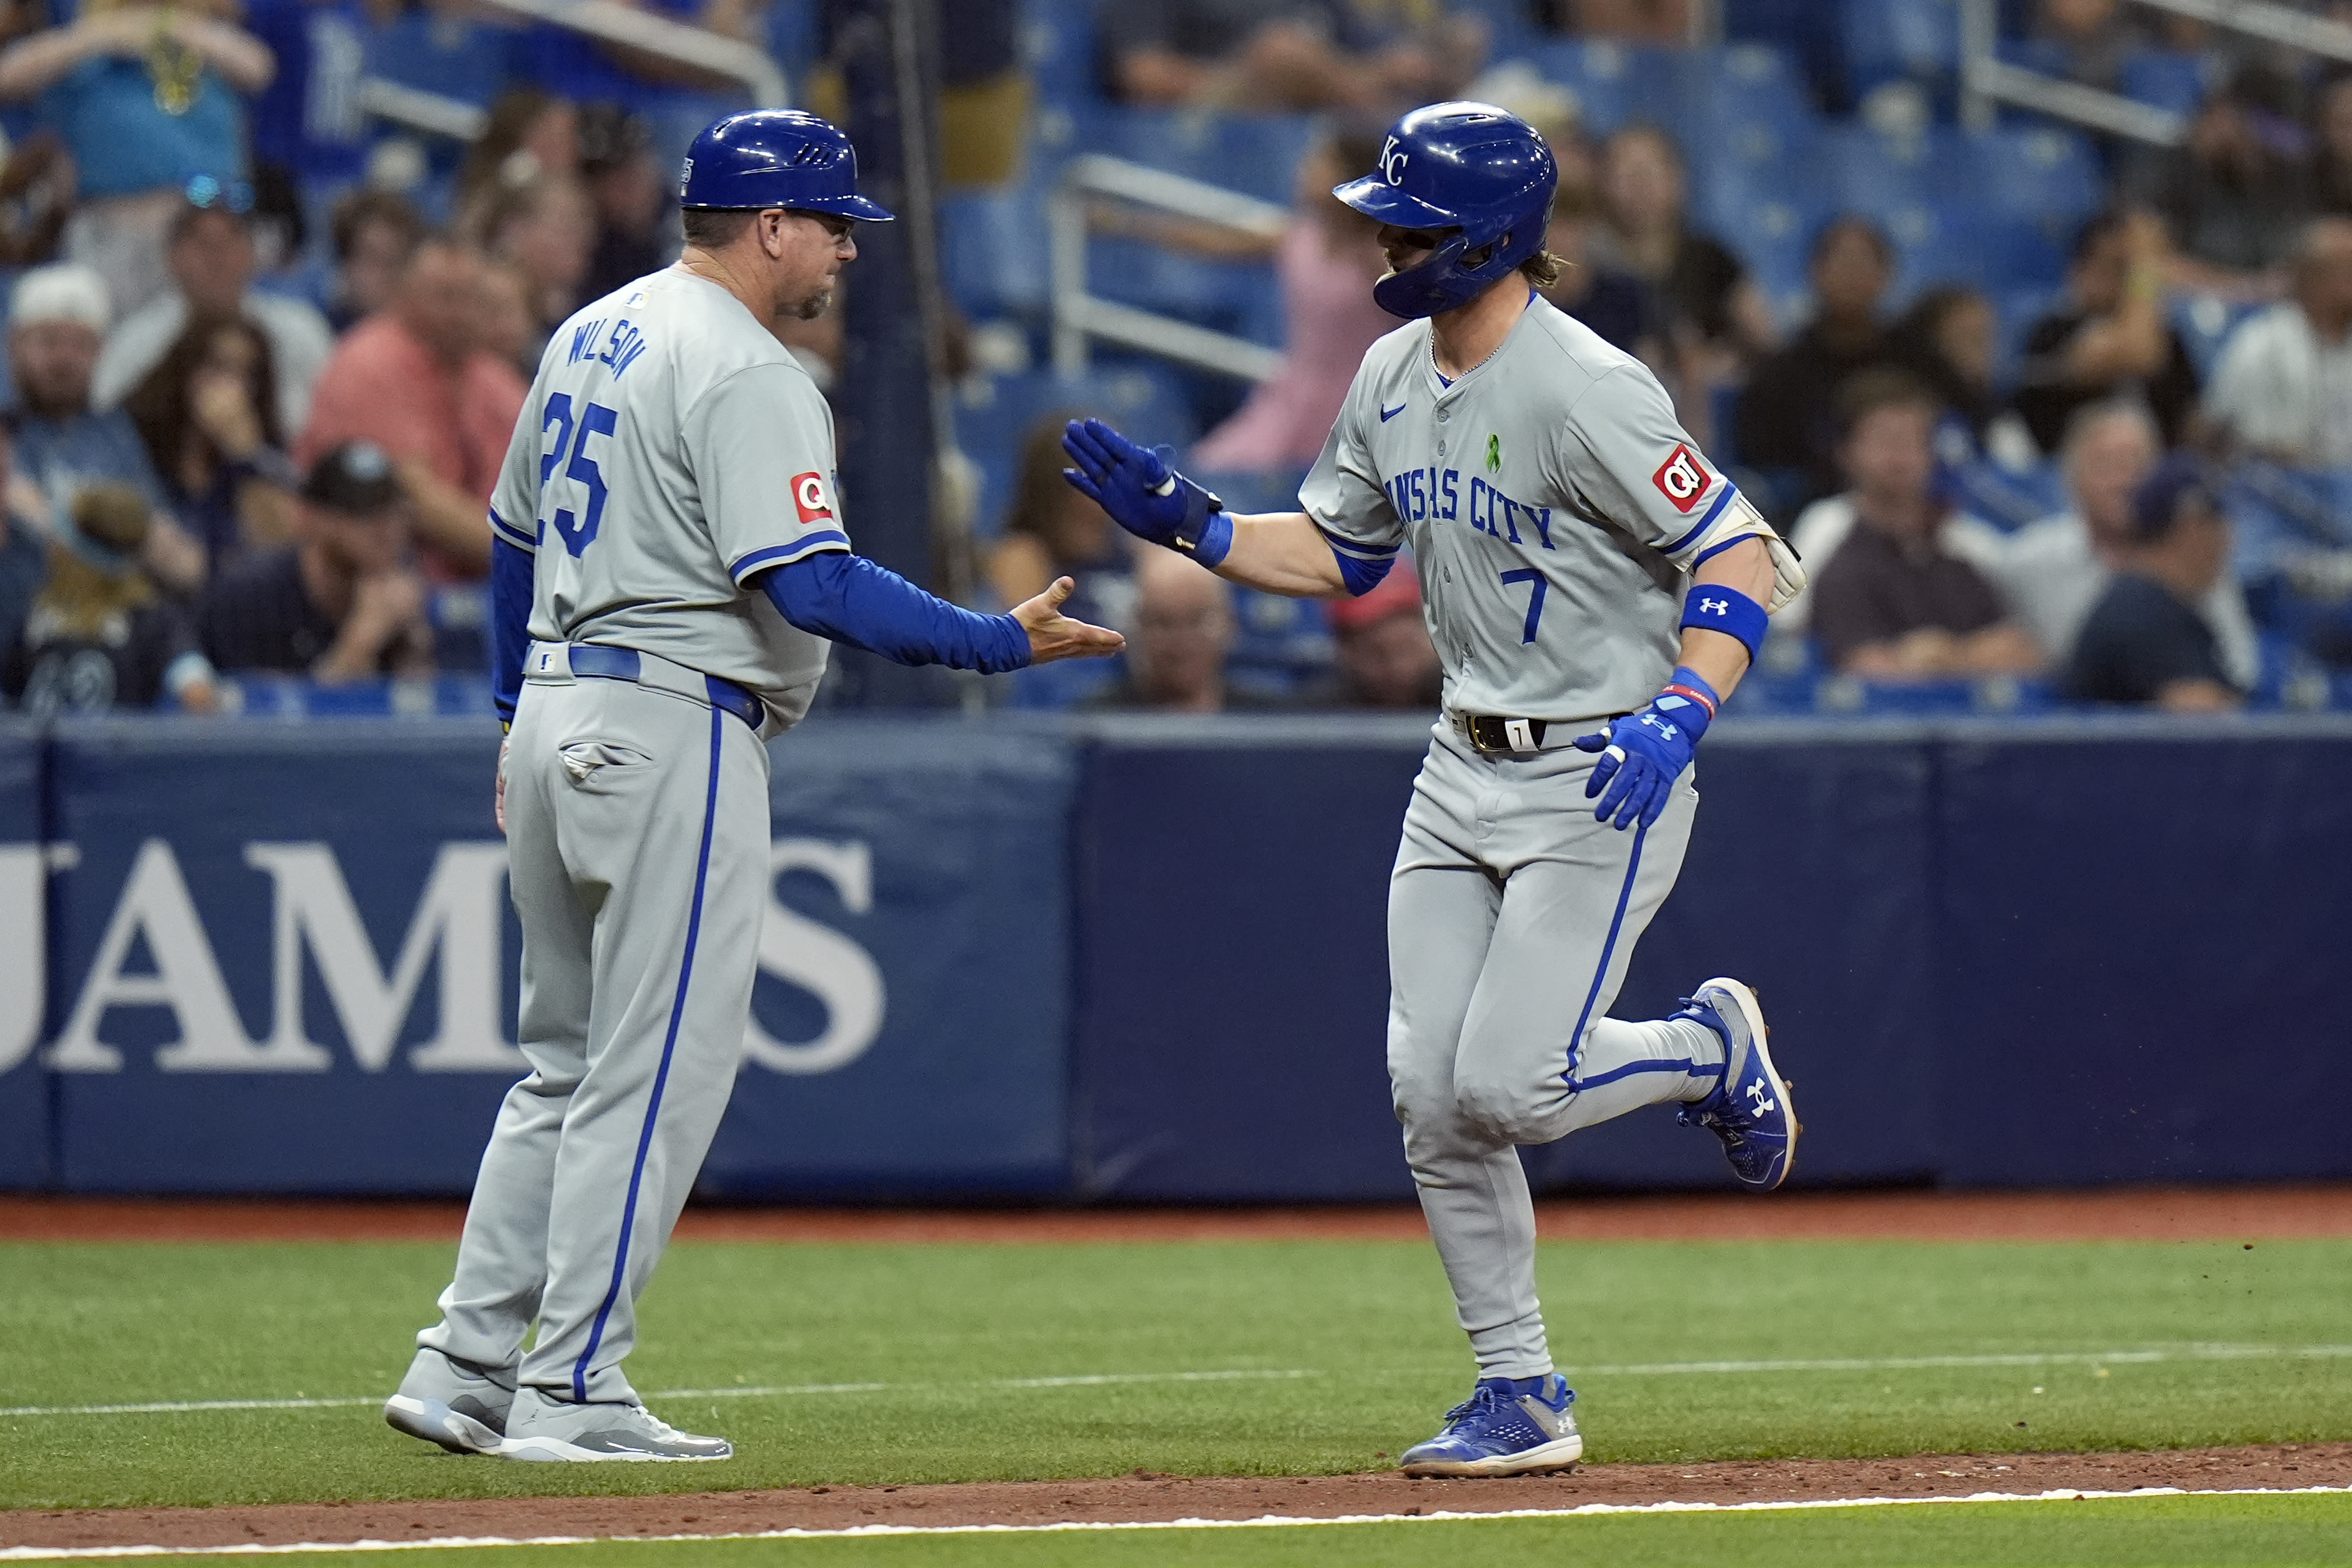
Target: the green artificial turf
(2157, 1532)
(1369, 1324)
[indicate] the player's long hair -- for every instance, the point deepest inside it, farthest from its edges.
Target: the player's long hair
(162, 407)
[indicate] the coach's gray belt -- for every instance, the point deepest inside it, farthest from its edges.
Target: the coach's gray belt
(594, 661)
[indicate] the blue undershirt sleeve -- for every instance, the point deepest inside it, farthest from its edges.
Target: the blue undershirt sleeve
(848, 599)
(511, 594)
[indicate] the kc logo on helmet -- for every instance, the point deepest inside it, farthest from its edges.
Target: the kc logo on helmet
(1680, 479)
(1392, 162)
(809, 495)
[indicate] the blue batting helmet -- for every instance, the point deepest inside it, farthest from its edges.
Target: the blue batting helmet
(1480, 175)
(775, 158)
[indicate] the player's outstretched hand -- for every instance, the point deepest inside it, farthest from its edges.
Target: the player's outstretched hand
(1641, 758)
(1134, 484)
(1053, 635)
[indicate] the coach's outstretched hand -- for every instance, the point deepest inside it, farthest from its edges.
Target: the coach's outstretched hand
(1135, 485)
(1053, 635)
(1643, 754)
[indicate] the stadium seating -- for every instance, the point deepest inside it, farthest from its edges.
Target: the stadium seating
(1897, 40)
(1144, 399)
(2169, 79)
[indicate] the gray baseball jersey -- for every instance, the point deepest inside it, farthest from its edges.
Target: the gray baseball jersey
(1553, 504)
(670, 449)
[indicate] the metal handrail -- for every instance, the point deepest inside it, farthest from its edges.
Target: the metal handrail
(421, 110)
(2261, 20)
(1079, 316)
(680, 41)
(1988, 79)
(1985, 78)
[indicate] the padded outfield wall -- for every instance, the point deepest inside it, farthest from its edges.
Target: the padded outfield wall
(1143, 959)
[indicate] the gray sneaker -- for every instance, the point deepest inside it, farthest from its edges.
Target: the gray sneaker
(461, 1406)
(552, 1429)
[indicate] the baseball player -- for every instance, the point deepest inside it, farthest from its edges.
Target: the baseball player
(1594, 588)
(669, 564)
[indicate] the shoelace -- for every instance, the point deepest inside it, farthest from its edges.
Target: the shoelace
(1480, 1397)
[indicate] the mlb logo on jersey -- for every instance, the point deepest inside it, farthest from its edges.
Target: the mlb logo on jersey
(810, 496)
(1682, 480)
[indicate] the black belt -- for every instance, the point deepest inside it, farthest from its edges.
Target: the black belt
(1496, 735)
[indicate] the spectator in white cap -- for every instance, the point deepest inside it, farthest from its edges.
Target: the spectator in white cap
(57, 319)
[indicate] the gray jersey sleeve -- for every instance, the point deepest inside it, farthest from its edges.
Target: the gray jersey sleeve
(1627, 455)
(760, 445)
(514, 502)
(1343, 494)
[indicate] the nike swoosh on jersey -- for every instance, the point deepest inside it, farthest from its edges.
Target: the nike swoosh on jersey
(1389, 414)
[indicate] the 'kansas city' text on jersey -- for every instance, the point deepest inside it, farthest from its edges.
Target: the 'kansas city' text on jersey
(1554, 507)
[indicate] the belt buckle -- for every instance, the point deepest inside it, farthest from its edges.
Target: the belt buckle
(1491, 735)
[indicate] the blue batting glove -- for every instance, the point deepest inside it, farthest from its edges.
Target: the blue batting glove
(1643, 754)
(1135, 485)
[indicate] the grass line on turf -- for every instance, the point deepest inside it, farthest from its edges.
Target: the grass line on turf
(2156, 1528)
(2145, 1357)
(1886, 1348)
(354, 1402)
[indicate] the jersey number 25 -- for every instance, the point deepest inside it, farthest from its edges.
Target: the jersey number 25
(597, 420)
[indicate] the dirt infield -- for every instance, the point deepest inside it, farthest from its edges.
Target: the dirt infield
(2116, 1214)
(1144, 1496)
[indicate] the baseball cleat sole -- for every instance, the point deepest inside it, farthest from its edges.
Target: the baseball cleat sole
(1752, 1012)
(555, 1450)
(1551, 1458)
(437, 1423)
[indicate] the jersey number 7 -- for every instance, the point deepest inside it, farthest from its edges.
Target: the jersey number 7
(598, 420)
(1536, 586)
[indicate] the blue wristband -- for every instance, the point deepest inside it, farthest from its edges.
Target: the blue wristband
(1206, 533)
(1215, 540)
(1727, 610)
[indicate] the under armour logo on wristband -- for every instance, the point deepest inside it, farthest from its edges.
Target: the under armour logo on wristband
(1715, 607)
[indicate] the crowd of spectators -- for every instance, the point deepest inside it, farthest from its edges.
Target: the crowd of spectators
(2079, 499)
(263, 360)
(261, 395)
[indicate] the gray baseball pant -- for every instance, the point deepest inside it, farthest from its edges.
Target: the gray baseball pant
(1512, 915)
(637, 836)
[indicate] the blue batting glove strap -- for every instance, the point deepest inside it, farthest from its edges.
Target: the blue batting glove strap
(1213, 540)
(1643, 754)
(1728, 611)
(1131, 483)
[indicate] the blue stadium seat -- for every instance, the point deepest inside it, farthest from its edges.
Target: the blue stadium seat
(1145, 401)
(1613, 82)
(1057, 43)
(2031, 172)
(2168, 79)
(1865, 171)
(1893, 40)
(1772, 234)
(1256, 154)
(1743, 124)
(992, 251)
(1510, 23)
(1795, 27)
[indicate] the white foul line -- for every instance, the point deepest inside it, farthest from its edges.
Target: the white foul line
(1087, 1380)
(452, 1543)
(2187, 1353)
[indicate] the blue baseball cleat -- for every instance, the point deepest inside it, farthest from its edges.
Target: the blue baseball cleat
(1506, 1428)
(1749, 1109)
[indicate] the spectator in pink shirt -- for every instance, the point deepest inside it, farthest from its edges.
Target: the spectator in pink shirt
(1328, 262)
(415, 380)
